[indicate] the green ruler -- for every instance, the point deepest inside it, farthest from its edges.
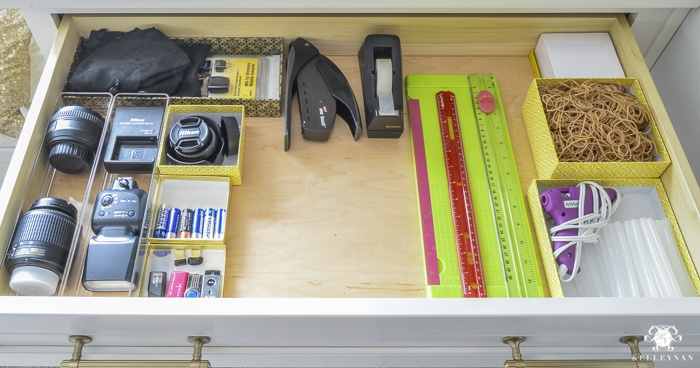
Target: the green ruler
(423, 88)
(498, 203)
(515, 243)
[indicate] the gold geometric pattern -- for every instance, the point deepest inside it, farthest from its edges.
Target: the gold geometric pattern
(550, 265)
(233, 172)
(547, 162)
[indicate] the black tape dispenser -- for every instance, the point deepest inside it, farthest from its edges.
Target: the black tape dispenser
(323, 91)
(382, 85)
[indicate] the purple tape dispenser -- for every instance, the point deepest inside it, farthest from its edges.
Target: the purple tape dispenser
(562, 204)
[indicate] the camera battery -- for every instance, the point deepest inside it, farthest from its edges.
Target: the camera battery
(133, 141)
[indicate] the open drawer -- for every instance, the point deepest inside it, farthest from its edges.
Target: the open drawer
(339, 219)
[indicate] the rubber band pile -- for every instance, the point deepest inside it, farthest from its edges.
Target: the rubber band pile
(596, 121)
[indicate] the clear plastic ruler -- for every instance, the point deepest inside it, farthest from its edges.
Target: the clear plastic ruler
(509, 211)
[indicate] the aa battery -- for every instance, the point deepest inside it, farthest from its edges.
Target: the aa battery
(209, 223)
(172, 223)
(146, 223)
(198, 223)
(161, 227)
(184, 229)
(220, 224)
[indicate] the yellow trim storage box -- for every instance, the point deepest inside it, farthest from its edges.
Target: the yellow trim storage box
(547, 161)
(541, 230)
(231, 166)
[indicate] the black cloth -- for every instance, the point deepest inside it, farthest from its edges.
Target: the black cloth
(102, 37)
(139, 60)
(191, 86)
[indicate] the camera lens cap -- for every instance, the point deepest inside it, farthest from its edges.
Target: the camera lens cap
(71, 158)
(190, 135)
(231, 133)
(192, 139)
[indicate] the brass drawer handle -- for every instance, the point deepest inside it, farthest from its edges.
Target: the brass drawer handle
(80, 341)
(632, 341)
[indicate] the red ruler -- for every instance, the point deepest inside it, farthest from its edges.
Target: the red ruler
(467, 241)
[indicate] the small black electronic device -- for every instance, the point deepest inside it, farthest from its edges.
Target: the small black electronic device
(133, 141)
(180, 257)
(111, 253)
(194, 286)
(218, 85)
(210, 284)
(195, 258)
(220, 65)
(156, 284)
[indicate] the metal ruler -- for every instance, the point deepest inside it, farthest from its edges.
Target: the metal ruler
(466, 238)
(509, 211)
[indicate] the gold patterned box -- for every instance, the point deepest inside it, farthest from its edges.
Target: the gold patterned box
(231, 166)
(547, 162)
(652, 187)
(263, 46)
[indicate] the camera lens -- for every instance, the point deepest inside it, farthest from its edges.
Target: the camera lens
(72, 139)
(39, 249)
(194, 139)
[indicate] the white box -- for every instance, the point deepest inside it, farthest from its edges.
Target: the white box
(577, 55)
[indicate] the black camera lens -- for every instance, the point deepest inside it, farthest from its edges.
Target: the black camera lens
(39, 250)
(72, 138)
(194, 140)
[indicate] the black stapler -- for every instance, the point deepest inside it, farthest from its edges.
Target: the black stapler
(323, 90)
